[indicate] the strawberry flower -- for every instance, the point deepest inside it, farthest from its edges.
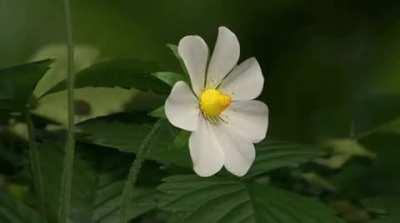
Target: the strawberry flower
(219, 107)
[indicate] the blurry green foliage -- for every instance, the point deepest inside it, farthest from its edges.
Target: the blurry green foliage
(332, 81)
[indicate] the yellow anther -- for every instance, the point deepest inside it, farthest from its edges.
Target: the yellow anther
(213, 102)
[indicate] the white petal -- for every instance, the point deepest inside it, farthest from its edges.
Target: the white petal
(224, 58)
(245, 82)
(181, 107)
(206, 154)
(194, 53)
(248, 118)
(239, 153)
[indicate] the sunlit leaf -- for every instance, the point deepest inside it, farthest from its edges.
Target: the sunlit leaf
(95, 102)
(343, 151)
(85, 56)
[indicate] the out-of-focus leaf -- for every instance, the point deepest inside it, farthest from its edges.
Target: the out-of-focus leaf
(220, 200)
(344, 150)
(14, 211)
(84, 56)
(374, 112)
(17, 84)
(386, 208)
(166, 146)
(125, 73)
(274, 155)
(391, 127)
(363, 177)
(95, 102)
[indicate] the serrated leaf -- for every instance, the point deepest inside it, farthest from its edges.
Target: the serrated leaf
(85, 55)
(171, 146)
(97, 187)
(125, 73)
(274, 155)
(17, 84)
(220, 200)
(166, 146)
(14, 211)
(95, 102)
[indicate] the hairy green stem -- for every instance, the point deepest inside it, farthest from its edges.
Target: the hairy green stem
(134, 172)
(68, 170)
(35, 161)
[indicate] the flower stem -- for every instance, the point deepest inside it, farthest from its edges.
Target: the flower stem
(134, 172)
(68, 169)
(35, 161)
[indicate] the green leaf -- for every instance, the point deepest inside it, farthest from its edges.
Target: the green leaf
(170, 78)
(174, 50)
(14, 211)
(17, 84)
(386, 208)
(158, 113)
(171, 146)
(107, 201)
(375, 112)
(125, 73)
(85, 56)
(168, 146)
(95, 102)
(97, 186)
(274, 155)
(344, 150)
(220, 200)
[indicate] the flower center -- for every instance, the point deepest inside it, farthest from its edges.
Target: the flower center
(213, 102)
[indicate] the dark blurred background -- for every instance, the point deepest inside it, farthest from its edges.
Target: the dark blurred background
(322, 59)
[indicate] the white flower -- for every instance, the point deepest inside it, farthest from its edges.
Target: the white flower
(219, 110)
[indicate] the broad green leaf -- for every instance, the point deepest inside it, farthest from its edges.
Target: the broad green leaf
(95, 102)
(125, 73)
(274, 155)
(17, 84)
(97, 186)
(220, 200)
(171, 146)
(168, 145)
(14, 211)
(84, 57)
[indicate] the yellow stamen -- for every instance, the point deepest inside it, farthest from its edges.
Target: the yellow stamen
(213, 102)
